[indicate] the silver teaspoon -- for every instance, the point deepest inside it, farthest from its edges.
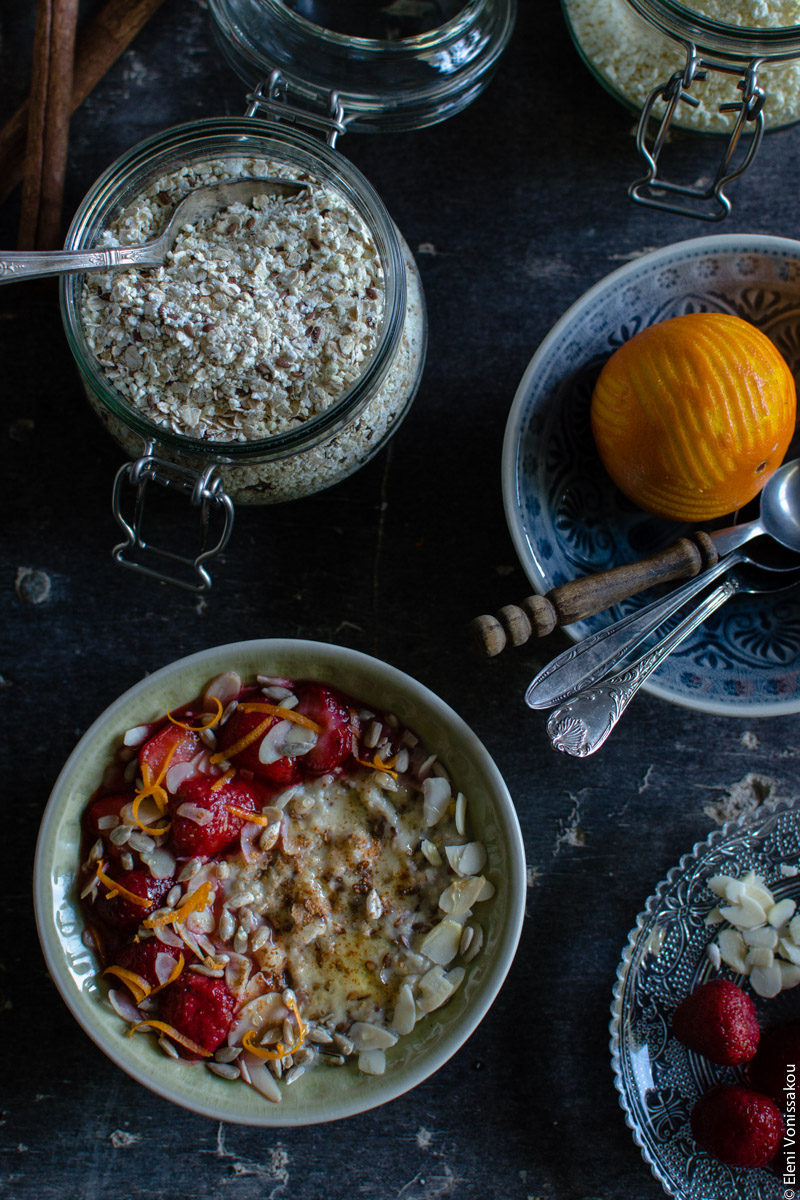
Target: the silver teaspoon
(582, 724)
(199, 203)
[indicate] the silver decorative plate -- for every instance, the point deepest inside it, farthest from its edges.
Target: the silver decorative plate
(658, 1079)
(568, 519)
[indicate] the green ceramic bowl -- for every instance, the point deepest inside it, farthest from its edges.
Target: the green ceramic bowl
(326, 1093)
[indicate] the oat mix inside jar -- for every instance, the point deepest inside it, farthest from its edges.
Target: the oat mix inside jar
(283, 340)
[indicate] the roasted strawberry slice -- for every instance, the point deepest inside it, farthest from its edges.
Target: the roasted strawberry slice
(170, 743)
(120, 911)
(337, 723)
(202, 821)
(96, 817)
(141, 958)
(240, 725)
(199, 1007)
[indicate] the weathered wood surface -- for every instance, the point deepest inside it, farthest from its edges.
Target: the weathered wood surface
(513, 208)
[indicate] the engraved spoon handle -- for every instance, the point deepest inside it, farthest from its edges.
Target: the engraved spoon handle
(580, 726)
(16, 265)
(580, 665)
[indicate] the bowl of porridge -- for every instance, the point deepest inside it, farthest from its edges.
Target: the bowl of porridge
(279, 882)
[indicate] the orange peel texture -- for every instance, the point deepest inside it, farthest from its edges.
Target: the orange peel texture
(691, 416)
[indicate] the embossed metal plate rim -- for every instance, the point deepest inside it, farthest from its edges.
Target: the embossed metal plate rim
(566, 518)
(756, 839)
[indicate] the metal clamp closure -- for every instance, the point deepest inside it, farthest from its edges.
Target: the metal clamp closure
(205, 492)
(275, 103)
(711, 202)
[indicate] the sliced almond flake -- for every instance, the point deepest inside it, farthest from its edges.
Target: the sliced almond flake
(224, 687)
(254, 1072)
(372, 1062)
(431, 853)
(404, 1017)
(435, 799)
(194, 812)
(367, 1036)
(441, 943)
(732, 948)
(789, 950)
(781, 912)
(461, 814)
(475, 946)
(434, 989)
(469, 859)
(713, 955)
(762, 935)
(790, 975)
(746, 913)
(766, 981)
(109, 821)
(759, 956)
(460, 895)
(136, 735)
(757, 889)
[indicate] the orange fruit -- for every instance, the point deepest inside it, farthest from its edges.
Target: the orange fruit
(692, 416)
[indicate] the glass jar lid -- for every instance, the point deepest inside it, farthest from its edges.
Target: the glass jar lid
(402, 65)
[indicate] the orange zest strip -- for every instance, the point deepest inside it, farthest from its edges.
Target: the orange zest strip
(173, 1033)
(198, 899)
(153, 787)
(280, 1050)
(209, 724)
(253, 817)
(379, 764)
(173, 975)
(243, 743)
(137, 983)
(286, 714)
(118, 889)
(223, 779)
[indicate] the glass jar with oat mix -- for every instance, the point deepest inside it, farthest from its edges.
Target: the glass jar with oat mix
(283, 340)
(707, 66)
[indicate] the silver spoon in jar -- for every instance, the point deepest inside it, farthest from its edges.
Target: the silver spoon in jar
(199, 203)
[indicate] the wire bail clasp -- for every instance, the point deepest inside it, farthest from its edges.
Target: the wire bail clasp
(205, 492)
(712, 204)
(272, 98)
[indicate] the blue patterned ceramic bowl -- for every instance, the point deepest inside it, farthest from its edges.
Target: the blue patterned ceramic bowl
(657, 1078)
(568, 519)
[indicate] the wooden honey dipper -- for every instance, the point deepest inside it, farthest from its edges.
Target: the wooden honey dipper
(537, 616)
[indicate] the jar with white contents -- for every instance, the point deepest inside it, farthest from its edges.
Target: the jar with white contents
(700, 66)
(283, 340)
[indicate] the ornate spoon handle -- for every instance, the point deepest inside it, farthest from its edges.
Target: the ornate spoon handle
(33, 264)
(594, 656)
(580, 726)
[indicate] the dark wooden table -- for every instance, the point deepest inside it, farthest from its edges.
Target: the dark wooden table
(514, 208)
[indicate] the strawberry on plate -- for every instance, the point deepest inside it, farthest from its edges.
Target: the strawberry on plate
(199, 1007)
(719, 1021)
(202, 821)
(738, 1126)
(337, 723)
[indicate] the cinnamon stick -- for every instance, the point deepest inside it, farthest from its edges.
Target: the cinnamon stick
(98, 47)
(48, 124)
